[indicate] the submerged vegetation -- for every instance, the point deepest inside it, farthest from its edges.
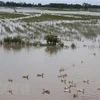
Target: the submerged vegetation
(10, 40)
(55, 17)
(51, 39)
(73, 46)
(54, 28)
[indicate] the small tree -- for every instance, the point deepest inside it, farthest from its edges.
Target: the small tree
(51, 39)
(85, 6)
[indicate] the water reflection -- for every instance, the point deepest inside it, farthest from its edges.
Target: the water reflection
(15, 48)
(52, 49)
(73, 47)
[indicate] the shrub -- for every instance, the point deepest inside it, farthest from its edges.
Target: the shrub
(8, 40)
(51, 39)
(73, 46)
(17, 39)
(12, 40)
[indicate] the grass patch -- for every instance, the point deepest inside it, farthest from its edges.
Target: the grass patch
(12, 40)
(58, 9)
(19, 30)
(8, 29)
(94, 9)
(69, 9)
(49, 17)
(4, 15)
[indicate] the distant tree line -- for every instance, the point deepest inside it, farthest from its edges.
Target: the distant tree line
(53, 5)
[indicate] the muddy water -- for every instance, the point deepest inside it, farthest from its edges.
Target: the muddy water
(18, 61)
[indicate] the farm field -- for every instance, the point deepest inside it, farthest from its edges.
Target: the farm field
(77, 68)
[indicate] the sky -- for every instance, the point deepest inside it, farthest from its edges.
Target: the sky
(94, 2)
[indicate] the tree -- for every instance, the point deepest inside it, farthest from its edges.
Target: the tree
(85, 6)
(51, 39)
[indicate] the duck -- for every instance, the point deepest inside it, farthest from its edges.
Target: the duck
(27, 76)
(67, 87)
(94, 54)
(98, 88)
(63, 80)
(80, 90)
(67, 90)
(40, 75)
(72, 85)
(70, 82)
(65, 75)
(84, 45)
(86, 81)
(73, 65)
(10, 80)
(60, 76)
(82, 61)
(75, 95)
(10, 91)
(62, 69)
(46, 91)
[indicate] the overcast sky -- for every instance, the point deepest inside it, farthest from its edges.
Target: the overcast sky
(57, 1)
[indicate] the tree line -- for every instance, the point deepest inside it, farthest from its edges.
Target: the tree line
(53, 5)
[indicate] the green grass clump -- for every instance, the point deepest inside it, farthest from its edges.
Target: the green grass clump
(51, 17)
(8, 29)
(19, 30)
(73, 46)
(59, 9)
(9, 40)
(4, 15)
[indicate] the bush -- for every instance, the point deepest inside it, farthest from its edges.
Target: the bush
(17, 40)
(12, 40)
(8, 40)
(73, 46)
(51, 39)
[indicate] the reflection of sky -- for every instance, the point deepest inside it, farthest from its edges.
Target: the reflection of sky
(58, 1)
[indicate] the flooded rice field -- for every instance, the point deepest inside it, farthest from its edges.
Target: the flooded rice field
(79, 64)
(68, 73)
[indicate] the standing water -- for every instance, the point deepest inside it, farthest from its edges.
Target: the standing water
(16, 62)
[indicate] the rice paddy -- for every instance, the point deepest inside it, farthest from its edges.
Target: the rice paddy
(66, 71)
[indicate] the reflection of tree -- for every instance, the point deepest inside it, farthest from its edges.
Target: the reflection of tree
(14, 48)
(52, 49)
(17, 48)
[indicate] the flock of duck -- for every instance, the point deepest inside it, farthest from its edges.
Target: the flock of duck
(71, 83)
(63, 77)
(27, 77)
